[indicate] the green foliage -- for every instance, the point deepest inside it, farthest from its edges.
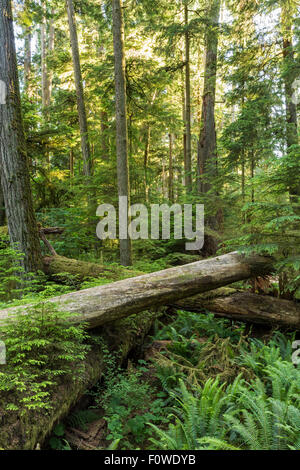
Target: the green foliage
(57, 441)
(260, 413)
(197, 416)
(41, 348)
(129, 404)
(81, 418)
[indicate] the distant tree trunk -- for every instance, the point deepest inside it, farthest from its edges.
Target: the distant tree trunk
(27, 51)
(171, 182)
(121, 121)
(15, 180)
(27, 60)
(71, 163)
(51, 49)
(252, 177)
(289, 77)
(146, 161)
(104, 136)
(85, 146)
(188, 160)
(44, 58)
(184, 120)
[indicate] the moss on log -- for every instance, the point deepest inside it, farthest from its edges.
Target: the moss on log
(24, 430)
(103, 304)
(56, 265)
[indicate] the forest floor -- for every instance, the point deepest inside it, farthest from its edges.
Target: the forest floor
(197, 377)
(197, 382)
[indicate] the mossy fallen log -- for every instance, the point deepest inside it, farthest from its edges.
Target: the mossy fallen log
(103, 304)
(246, 307)
(25, 429)
(56, 265)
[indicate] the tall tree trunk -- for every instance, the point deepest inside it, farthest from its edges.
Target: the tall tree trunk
(27, 50)
(184, 120)
(85, 146)
(51, 49)
(146, 161)
(289, 77)
(188, 159)
(104, 136)
(252, 176)
(121, 122)
(27, 60)
(171, 182)
(207, 149)
(71, 163)
(15, 180)
(44, 57)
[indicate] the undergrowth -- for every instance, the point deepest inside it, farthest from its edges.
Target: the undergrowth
(208, 386)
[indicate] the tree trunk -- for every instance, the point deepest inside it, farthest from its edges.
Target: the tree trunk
(27, 51)
(44, 58)
(85, 146)
(104, 136)
(207, 146)
(51, 44)
(171, 183)
(188, 144)
(246, 307)
(15, 180)
(111, 302)
(146, 161)
(290, 74)
(121, 123)
(184, 120)
(207, 149)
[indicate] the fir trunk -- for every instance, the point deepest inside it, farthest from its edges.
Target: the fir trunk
(85, 146)
(188, 135)
(290, 68)
(121, 122)
(207, 149)
(15, 180)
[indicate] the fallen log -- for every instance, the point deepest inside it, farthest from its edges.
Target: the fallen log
(56, 265)
(103, 304)
(26, 429)
(246, 307)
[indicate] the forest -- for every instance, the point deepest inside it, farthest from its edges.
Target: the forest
(149, 225)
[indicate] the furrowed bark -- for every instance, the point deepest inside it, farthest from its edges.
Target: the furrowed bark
(15, 179)
(246, 307)
(104, 304)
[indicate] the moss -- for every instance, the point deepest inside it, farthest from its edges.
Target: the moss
(82, 269)
(24, 430)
